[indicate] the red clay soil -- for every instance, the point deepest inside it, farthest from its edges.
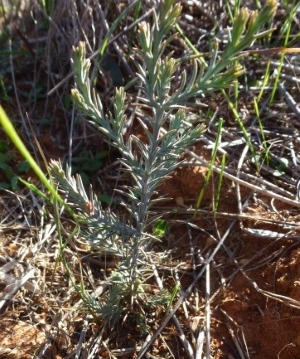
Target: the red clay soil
(257, 309)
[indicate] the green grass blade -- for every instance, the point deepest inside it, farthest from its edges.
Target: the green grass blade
(16, 140)
(211, 164)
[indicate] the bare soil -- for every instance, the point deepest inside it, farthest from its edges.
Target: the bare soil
(254, 280)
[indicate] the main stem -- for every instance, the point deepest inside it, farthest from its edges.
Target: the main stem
(145, 195)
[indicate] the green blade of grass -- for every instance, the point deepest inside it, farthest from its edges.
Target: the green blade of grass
(16, 140)
(211, 164)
